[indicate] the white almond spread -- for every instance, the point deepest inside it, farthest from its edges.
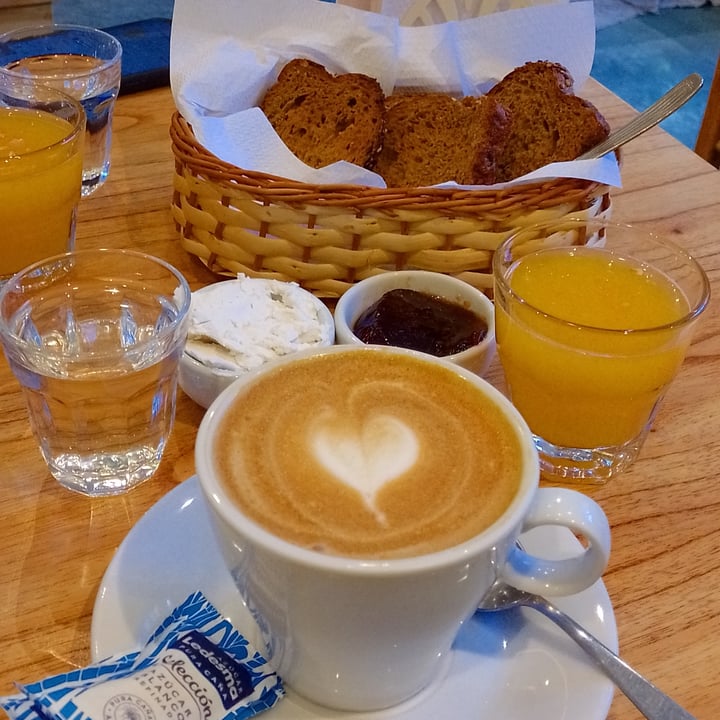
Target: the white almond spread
(244, 323)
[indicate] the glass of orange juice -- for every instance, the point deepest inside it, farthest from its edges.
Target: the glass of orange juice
(593, 320)
(41, 142)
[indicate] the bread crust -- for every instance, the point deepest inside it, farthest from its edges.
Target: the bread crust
(549, 123)
(432, 138)
(528, 119)
(323, 118)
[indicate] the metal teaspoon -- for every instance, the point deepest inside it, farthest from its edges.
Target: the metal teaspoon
(657, 112)
(650, 701)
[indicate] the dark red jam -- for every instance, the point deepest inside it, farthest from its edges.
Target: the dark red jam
(420, 321)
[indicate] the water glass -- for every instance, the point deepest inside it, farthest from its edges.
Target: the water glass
(593, 320)
(82, 62)
(94, 338)
(41, 142)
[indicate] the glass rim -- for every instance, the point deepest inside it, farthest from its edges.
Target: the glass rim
(77, 124)
(695, 309)
(49, 29)
(11, 285)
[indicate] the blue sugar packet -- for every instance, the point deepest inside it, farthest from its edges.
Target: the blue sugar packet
(196, 666)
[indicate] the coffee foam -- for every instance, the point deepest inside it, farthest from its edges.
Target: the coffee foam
(368, 454)
(365, 455)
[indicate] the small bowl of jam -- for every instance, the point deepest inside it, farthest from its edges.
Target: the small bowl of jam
(426, 311)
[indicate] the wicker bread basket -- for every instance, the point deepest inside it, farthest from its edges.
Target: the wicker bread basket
(326, 237)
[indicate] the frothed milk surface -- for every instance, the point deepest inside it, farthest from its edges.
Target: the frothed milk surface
(368, 455)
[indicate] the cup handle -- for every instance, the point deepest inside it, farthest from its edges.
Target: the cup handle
(584, 517)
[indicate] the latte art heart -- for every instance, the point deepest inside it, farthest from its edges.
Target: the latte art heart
(366, 457)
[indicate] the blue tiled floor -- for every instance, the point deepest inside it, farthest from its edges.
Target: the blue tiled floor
(104, 13)
(639, 59)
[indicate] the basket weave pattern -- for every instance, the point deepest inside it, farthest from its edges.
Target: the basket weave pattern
(326, 237)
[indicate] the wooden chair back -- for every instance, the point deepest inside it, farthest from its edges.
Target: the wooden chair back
(708, 140)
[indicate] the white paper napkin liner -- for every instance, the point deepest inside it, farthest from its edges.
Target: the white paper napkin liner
(427, 12)
(469, 57)
(225, 53)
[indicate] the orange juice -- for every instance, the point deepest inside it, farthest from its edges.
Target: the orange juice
(40, 177)
(587, 363)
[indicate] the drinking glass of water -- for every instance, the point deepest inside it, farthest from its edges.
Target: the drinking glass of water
(94, 338)
(85, 64)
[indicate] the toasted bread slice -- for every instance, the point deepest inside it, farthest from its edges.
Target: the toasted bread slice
(432, 138)
(549, 123)
(324, 118)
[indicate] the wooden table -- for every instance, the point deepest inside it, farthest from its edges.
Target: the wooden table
(664, 574)
(16, 13)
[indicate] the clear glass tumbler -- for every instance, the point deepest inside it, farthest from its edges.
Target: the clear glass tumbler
(593, 320)
(82, 62)
(94, 338)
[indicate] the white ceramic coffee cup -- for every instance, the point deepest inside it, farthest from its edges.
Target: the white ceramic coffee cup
(361, 635)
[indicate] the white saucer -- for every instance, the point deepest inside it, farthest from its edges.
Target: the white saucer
(515, 665)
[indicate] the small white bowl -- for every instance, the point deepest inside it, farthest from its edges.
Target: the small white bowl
(201, 382)
(204, 382)
(365, 293)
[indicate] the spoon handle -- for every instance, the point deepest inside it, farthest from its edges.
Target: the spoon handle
(650, 701)
(657, 112)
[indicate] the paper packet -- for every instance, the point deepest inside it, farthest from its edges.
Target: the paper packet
(196, 666)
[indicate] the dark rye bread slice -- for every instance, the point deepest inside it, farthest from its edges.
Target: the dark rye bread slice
(324, 118)
(549, 123)
(432, 138)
